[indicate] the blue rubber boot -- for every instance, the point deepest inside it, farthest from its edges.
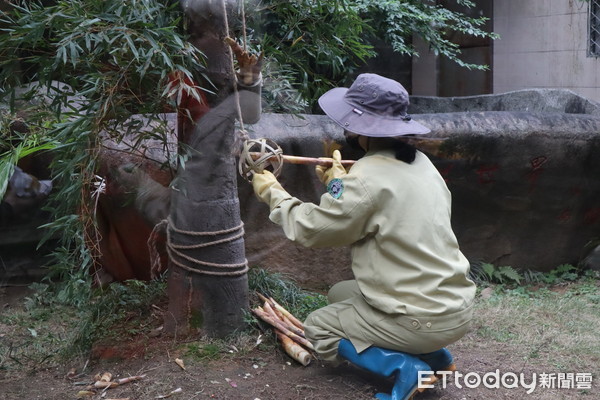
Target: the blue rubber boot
(440, 360)
(387, 363)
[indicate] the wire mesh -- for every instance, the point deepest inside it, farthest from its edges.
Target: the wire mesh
(594, 29)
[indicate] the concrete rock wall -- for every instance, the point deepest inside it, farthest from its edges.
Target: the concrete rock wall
(523, 169)
(529, 100)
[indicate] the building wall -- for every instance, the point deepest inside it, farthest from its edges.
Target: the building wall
(439, 76)
(543, 44)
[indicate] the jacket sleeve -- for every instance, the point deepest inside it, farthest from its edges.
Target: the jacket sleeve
(333, 222)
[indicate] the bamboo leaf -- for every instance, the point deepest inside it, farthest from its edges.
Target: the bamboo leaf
(132, 47)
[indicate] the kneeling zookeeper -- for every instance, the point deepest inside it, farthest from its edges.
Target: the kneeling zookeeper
(411, 295)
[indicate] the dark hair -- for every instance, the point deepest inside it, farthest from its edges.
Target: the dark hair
(404, 151)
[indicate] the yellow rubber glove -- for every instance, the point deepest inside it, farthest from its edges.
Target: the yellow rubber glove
(268, 189)
(337, 170)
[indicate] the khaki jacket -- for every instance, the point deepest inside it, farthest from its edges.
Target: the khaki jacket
(396, 218)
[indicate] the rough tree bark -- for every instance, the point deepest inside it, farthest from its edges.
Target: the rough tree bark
(205, 198)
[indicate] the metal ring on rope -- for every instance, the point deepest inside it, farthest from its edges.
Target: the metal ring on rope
(258, 155)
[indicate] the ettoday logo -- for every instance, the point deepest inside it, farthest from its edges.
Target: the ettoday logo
(509, 380)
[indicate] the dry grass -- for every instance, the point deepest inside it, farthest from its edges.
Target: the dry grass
(550, 329)
(555, 327)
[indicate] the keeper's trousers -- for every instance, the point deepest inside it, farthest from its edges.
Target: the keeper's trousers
(349, 316)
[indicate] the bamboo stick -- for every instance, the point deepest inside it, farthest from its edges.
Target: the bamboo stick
(325, 162)
(104, 384)
(130, 379)
(293, 349)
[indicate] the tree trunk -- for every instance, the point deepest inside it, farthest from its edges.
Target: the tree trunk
(202, 294)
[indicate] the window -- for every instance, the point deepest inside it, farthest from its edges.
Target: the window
(594, 29)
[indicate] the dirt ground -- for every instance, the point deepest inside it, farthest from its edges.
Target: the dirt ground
(262, 373)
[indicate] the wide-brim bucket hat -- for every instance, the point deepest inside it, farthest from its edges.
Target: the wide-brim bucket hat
(373, 106)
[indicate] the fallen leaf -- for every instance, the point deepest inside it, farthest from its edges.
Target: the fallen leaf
(178, 390)
(179, 362)
(232, 383)
(84, 393)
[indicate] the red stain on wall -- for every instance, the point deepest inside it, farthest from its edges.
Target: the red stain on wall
(565, 216)
(446, 172)
(486, 173)
(592, 216)
(536, 169)
(576, 190)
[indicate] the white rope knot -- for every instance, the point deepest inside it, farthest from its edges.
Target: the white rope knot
(258, 155)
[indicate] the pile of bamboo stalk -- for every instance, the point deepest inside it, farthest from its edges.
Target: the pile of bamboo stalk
(104, 382)
(289, 329)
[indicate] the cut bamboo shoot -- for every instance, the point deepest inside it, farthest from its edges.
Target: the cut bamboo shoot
(279, 316)
(105, 385)
(287, 313)
(281, 326)
(293, 349)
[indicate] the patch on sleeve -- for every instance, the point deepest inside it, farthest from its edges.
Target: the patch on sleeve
(335, 188)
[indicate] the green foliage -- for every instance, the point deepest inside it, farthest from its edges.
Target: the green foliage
(487, 272)
(49, 332)
(318, 42)
(115, 54)
(283, 289)
(15, 145)
(397, 21)
(537, 284)
(321, 43)
(204, 351)
(115, 311)
(115, 57)
(562, 273)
